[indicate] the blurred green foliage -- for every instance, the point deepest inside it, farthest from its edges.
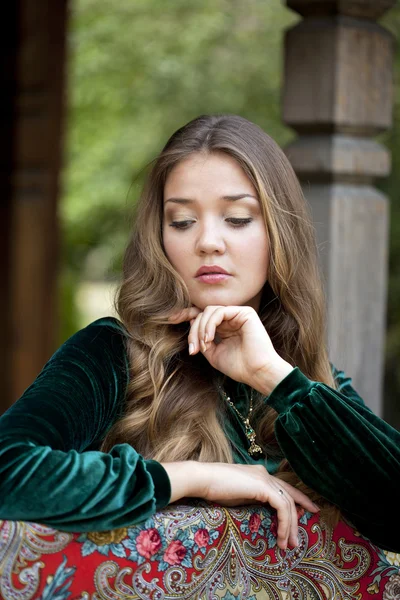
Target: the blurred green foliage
(136, 72)
(139, 70)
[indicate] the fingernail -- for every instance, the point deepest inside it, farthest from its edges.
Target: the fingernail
(206, 338)
(191, 348)
(203, 346)
(316, 506)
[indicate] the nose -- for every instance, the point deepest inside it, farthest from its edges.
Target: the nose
(210, 239)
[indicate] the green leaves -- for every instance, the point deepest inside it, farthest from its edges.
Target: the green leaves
(138, 71)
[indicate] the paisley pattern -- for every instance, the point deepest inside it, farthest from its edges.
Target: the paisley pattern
(195, 551)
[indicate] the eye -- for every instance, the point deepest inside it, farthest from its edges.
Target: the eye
(239, 222)
(235, 223)
(180, 224)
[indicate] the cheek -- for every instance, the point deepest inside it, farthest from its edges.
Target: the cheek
(255, 246)
(256, 254)
(176, 252)
(168, 244)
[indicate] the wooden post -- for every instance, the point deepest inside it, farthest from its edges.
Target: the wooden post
(33, 43)
(338, 96)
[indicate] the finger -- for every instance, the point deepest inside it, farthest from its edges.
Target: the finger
(294, 528)
(196, 335)
(212, 316)
(193, 337)
(280, 502)
(215, 319)
(184, 315)
(299, 497)
(235, 315)
(291, 533)
(201, 326)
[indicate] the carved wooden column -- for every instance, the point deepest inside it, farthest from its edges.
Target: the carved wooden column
(338, 96)
(33, 47)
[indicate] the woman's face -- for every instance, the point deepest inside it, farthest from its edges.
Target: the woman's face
(201, 227)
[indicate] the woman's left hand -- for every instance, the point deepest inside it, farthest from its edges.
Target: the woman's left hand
(244, 351)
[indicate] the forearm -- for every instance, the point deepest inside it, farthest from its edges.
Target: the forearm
(267, 379)
(89, 491)
(342, 450)
(187, 479)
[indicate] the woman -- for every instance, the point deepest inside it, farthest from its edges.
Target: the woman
(215, 386)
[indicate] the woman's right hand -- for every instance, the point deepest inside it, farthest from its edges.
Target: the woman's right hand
(236, 485)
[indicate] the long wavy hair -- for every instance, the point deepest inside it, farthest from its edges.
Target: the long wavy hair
(173, 410)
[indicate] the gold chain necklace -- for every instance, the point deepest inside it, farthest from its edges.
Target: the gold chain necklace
(250, 433)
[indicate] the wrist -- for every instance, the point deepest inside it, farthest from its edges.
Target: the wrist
(199, 473)
(266, 380)
(187, 478)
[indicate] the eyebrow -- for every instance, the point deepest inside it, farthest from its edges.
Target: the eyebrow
(229, 198)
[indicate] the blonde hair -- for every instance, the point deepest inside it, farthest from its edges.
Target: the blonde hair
(173, 411)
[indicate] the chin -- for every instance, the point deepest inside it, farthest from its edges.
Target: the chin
(205, 301)
(214, 299)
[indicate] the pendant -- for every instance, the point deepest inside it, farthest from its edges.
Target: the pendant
(254, 449)
(251, 435)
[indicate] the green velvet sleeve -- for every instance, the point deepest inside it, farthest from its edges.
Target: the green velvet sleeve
(342, 450)
(50, 469)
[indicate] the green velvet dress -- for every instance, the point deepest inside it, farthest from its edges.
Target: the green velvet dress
(52, 472)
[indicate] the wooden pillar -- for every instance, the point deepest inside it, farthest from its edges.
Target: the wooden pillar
(32, 83)
(338, 97)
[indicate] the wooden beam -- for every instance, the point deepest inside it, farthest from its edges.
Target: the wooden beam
(338, 96)
(30, 157)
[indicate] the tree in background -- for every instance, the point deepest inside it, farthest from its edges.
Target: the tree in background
(138, 71)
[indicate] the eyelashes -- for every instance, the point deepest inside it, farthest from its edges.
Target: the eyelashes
(236, 223)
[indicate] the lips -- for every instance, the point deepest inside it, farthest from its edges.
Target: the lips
(205, 270)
